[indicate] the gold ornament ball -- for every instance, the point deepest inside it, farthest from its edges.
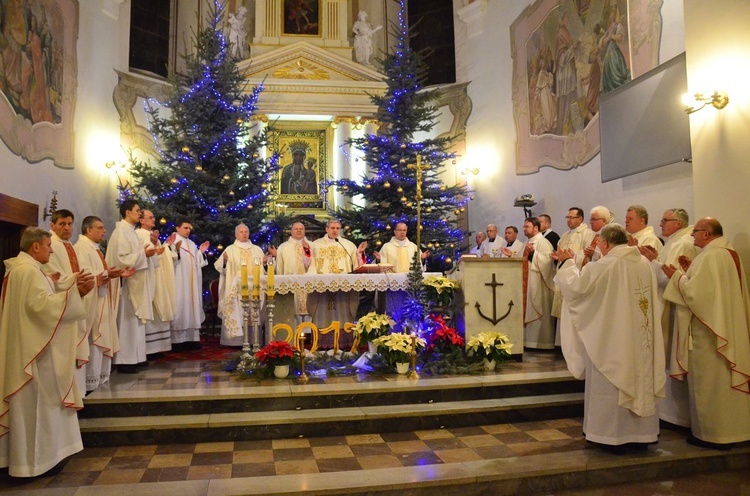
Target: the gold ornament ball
(428, 209)
(378, 243)
(386, 184)
(220, 247)
(173, 180)
(239, 121)
(430, 245)
(226, 177)
(437, 245)
(163, 221)
(222, 206)
(388, 228)
(410, 204)
(443, 188)
(463, 209)
(249, 206)
(185, 149)
(368, 186)
(403, 199)
(448, 260)
(400, 189)
(231, 192)
(471, 197)
(402, 161)
(198, 168)
(457, 211)
(255, 155)
(421, 227)
(403, 145)
(451, 245)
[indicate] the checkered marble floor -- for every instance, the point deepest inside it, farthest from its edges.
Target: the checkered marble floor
(196, 468)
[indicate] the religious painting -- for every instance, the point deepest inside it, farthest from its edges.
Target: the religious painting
(566, 54)
(38, 78)
(303, 165)
(301, 17)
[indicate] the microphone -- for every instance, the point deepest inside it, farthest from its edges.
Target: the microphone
(351, 257)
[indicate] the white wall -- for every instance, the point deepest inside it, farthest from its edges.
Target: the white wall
(485, 60)
(88, 188)
(718, 57)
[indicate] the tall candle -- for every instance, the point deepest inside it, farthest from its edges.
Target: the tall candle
(256, 279)
(244, 293)
(271, 290)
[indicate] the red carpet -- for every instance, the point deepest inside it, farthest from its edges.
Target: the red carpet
(210, 350)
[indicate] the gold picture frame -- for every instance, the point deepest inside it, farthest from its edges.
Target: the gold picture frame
(304, 165)
(38, 79)
(301, 18)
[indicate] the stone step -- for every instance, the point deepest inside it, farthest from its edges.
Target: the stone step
(293, 396)
(339, 421)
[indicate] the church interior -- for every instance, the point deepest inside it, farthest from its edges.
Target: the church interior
(189, 427)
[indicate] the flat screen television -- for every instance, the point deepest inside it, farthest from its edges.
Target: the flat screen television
(643, 123)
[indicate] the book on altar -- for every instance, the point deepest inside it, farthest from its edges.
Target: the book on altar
(373, 268)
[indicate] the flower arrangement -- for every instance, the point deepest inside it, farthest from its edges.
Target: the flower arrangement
(439, 290)
(373, 325)
(443, 339)
(277, 353)
(396, 347)
(491, 345)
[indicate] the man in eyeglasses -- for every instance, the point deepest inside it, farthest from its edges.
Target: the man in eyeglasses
(676, 230)
(713, 338)
(599, 217)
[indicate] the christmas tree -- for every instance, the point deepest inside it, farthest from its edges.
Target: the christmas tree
(210, 169)
(388, 193)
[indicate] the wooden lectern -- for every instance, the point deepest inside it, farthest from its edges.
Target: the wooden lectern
(492, 290)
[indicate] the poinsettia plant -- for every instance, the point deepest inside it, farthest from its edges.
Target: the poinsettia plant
(373, 325)
(491, 345)
(443, 339)
(277, 353)
(396, 347)
(439, 290)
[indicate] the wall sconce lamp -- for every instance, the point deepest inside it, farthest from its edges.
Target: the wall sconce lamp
(468, 171)
(693, 103)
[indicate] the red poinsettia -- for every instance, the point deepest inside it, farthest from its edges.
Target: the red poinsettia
(443, 339)
(276, 353)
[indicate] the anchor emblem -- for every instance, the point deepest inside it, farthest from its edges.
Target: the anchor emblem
(494, 319)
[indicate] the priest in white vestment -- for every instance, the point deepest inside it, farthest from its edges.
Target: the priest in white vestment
(479, 238)
(294, 256)
(677, 231)
(161, 274)
(611, 336)
(599, 217)
(229, 265)
(399, 251)
(65, 261)
(513, 247)
(101, 303)
(492, 246)
(576, 238)
(188, 274)
(38, 393)
(126, 252)
(539, 326)
(640, 233)
(713, 337)
(335, 255)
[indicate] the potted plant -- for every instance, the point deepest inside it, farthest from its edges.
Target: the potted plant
(278, 356)
(443, 339)
(439, 290)
(492, 346)
(371, 326)
(395, 349)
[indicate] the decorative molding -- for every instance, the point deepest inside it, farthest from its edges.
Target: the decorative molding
(473, 15)
(301, 69)
(130, 87)
(50, 136)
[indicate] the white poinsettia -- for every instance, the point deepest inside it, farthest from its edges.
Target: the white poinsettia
(396, 347)
(491, 345)
(372, 325)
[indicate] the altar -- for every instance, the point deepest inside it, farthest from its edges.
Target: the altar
(491, 298)
(286, 286)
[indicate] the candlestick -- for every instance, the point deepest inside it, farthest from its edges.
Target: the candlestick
(413, 374)
(244, 290)
(256, 278)
(302, 375)
(271, 290)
